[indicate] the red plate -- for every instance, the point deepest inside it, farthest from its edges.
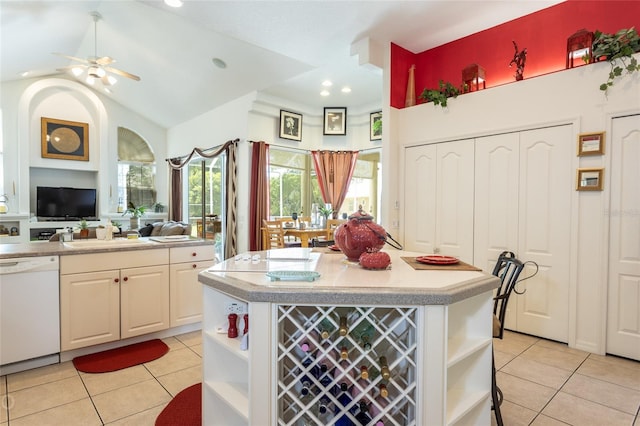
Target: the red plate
(334, 248)
(437, 259)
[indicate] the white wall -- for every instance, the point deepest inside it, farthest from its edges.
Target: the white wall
(255, 117)
(24, 102)
(570, 96)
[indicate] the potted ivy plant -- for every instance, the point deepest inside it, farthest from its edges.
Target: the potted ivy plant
(136, 213)
(440, 95)
(618, 49)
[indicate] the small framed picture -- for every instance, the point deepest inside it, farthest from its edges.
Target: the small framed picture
(375, 126)
(335, 121)
(589, 179)
(591, 144)
(290, 125)
(64, 140)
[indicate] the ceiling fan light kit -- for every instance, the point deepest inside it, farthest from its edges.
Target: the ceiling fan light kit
(96, 67)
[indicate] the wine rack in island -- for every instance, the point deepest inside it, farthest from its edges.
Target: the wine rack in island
(346, 365)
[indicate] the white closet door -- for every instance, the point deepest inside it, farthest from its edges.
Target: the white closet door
(546, 187)
(496, 199)
(496, 203)
(420, 198)
(438, 193)
(455, 194)
(623, 324)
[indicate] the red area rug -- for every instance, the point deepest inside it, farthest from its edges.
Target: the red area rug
(185, 409)
(119, 358)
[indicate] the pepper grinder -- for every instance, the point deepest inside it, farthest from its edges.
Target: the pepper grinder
(233, 328)
(246, 324)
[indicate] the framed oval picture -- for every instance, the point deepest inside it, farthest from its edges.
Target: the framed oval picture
(64, 140)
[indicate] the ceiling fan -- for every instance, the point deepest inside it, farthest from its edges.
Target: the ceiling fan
(97, 68)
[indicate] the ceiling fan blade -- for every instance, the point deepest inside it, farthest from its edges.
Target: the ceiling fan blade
(73, 58)
(105, 60)
(122, 73)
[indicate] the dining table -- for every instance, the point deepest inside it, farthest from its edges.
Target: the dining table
(305, 234)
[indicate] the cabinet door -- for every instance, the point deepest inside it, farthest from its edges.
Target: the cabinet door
(186, 292)
(623, 324)
(89, 309)
(144, 299)
(544, 222)
(439, 199)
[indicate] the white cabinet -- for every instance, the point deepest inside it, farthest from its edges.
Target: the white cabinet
(523, 188)
(185, 290)
(438, 198)
(101, 302)
(14, 228)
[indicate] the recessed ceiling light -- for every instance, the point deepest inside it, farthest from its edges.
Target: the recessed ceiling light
(325, 93)
(327, 83)
(173, 3)
(346, 89)
(219, 63)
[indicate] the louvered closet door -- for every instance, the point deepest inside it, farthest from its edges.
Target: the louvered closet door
(623, 325)
(496, 202)
(546, 186)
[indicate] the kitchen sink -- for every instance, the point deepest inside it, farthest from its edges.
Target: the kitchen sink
(95, 243)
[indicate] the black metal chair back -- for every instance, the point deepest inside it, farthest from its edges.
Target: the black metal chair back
(508, 269)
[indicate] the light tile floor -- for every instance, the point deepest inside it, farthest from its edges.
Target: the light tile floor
(545, 384)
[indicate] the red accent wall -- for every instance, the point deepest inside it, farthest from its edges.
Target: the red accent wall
(544, 34)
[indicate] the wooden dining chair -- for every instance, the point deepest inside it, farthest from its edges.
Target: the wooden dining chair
(508, 269)
(272, 234)
(332, 225)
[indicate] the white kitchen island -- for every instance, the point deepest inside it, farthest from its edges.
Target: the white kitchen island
(433, 329)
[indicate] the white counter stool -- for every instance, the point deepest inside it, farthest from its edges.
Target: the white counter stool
(508, 269)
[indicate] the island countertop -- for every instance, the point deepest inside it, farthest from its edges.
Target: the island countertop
(8, 251)
(343, 282)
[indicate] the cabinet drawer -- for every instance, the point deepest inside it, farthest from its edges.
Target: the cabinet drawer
(78, 263)
(191, 253)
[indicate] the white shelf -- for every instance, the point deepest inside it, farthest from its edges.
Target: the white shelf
(461, 402)
(460, 349)
(233, 395)
(230, 344)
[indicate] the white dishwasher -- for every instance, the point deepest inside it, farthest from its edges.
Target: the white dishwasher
(29, 313)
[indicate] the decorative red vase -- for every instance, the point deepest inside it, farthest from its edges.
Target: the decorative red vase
(359, 235)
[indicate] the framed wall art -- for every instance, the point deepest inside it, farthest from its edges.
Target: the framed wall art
(375, 126)
(290, 125)
(64, 140)
(335, 121)
(589, 179)
(591, 144)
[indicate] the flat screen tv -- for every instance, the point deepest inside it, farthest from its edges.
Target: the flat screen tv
(65, 203)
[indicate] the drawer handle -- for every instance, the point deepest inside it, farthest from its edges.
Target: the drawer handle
(194, 254)
(194, 266)
(125, 279)
(116, 280)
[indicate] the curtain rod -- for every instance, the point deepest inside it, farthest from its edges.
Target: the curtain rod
(308, 151)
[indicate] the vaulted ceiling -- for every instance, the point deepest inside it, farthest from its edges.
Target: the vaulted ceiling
(282, 48)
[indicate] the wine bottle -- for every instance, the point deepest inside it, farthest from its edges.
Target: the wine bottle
(326, 328)
(384, 368)
(344, 353)
(345, 400)
(343, 374)
(384, 392)
(343, 329)
(377, 407)
(363, 415)
(363, 333)
(364, 372)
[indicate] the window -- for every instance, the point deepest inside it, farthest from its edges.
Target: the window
(136, 171)
(293, 185)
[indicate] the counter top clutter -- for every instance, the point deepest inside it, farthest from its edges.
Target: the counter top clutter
(331, 342)
(81, 246)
